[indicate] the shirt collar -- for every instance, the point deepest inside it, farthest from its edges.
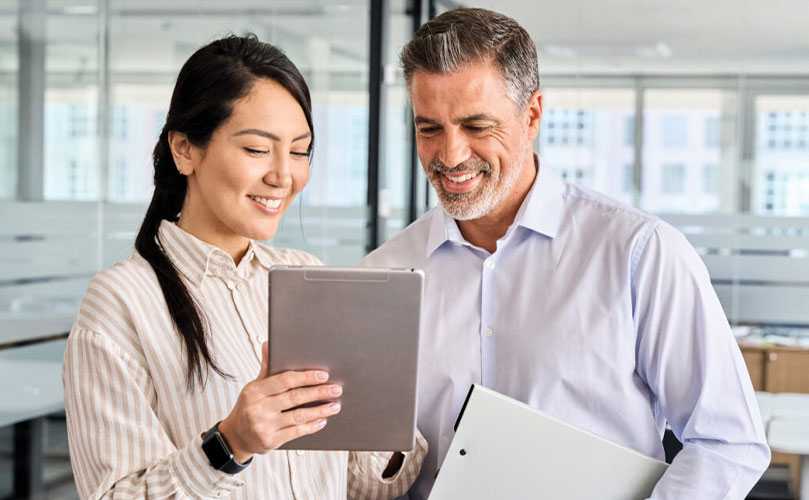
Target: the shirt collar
(542, 207)
(196, 259)
(540, 211)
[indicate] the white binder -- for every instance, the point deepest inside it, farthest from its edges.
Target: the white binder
(504, 449)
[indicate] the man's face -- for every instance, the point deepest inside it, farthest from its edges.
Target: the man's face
(473, 143)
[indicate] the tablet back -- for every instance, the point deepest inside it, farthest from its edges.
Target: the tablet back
(503, 448)
(362, 326)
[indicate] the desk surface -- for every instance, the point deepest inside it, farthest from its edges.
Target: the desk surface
(21, 328)
(783, 405)
(31, 381)
(789, 435)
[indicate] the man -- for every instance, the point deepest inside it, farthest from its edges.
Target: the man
(589, 310)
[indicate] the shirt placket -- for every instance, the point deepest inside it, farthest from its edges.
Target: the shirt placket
(240, 292)
(295, 459)
(488, 329)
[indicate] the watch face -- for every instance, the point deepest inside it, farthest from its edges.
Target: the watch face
(216, 450)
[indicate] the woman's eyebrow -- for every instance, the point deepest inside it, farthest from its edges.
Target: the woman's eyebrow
(268, 135)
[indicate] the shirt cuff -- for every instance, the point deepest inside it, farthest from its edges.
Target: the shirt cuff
(196, 475)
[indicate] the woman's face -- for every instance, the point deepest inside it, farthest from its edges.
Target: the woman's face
(242, 182)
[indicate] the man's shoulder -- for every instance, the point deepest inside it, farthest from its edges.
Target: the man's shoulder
(587, 201)
(409, 245)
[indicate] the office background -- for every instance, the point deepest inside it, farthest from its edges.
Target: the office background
(697, 111)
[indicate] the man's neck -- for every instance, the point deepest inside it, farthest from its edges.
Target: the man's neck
(485, 231)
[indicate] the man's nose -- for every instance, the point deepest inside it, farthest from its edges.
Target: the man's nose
(455, 149)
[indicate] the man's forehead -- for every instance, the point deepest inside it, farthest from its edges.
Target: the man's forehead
(467, 93)
(473, 72)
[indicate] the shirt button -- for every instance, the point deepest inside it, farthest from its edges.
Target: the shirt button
(241, 287)
(488, 332)
(299, 453)
(490, 263)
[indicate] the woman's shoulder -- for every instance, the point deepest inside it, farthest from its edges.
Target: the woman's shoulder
(124, 276)
(117, 300)
(113, 291)
(288, 256)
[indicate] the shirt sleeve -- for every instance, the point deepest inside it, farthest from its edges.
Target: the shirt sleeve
(365, 481)
(117, 444)
(688, 356)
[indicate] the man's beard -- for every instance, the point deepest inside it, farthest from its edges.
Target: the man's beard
(493, 188)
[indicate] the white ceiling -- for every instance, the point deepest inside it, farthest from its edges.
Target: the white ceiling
(701, 36)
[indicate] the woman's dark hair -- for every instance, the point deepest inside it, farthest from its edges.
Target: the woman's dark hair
(209, 83)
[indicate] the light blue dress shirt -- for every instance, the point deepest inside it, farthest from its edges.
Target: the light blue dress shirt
(593, 312)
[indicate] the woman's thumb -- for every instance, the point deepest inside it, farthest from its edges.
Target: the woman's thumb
(265, 354)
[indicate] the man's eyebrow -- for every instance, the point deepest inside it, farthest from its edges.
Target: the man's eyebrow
(476, 117)
(471, 118)
(429, 121)
(268, 135)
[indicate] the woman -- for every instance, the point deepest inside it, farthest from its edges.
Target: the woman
(164, 387)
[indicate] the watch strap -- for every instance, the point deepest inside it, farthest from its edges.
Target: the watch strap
(218, 451)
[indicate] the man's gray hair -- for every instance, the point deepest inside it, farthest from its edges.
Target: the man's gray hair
(464, 36)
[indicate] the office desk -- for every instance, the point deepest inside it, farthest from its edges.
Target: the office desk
(31, 385)
(786, 421)
(791, 435)
(30, 389)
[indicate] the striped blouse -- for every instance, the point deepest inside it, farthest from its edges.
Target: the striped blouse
(134, 428)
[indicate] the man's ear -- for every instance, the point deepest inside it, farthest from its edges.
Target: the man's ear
(181, 152)
(533, 114)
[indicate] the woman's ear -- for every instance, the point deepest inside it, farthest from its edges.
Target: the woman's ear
(181, 152)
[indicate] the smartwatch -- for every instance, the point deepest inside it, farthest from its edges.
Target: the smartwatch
(219, 453)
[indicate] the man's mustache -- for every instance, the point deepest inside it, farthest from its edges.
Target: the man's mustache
(479, 165)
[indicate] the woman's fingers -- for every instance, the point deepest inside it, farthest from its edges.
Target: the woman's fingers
(282, 382)
(295, 431)
(267, 412)
(303, 416)
(304, 395)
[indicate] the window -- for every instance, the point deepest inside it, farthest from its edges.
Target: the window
(710, 179)
(629, 178)
(77, 120)
(629, 131)
(567, 127)
(674, 131)
(673, 179)
(782, 156)
(712, 132)
(583, 135)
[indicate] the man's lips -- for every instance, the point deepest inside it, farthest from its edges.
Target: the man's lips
(461, 182)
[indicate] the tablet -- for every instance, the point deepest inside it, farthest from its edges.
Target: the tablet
(360, 324)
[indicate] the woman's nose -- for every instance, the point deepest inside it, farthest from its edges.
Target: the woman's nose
(279, 173)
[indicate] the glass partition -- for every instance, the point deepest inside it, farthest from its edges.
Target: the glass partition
(689, 143)
(587, 137)
(782, 155)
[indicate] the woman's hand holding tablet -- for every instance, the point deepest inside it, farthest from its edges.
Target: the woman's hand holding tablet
(266, 414)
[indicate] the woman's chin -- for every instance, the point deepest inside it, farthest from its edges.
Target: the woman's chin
(263, 234)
